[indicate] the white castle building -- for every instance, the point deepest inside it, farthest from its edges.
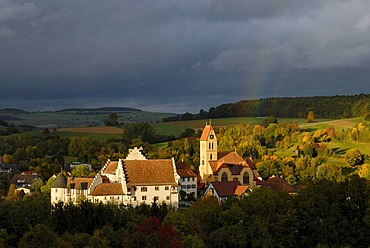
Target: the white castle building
(133, 180)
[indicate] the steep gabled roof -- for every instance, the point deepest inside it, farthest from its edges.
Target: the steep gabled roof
(206, 131)
(230, 158)
(111, 167)
(108, 189)
(150, 172)
(183, 170)
(225, 188)
(240, 190)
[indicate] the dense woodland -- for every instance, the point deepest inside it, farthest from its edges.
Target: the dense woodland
(294, 107)
(324, 214)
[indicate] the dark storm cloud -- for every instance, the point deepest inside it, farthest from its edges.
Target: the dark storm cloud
(179, 55)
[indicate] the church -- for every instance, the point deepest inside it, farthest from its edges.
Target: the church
(230, 169)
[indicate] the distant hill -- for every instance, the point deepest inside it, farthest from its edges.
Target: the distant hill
(287, 107)
(102, 109)
(13, 111)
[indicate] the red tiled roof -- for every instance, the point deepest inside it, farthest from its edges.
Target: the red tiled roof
(240, 190)
(234, 169)
(226, 188)
(183, 170)
(207, 129)
(152, 172)
(34, 173)
(231, 158)
(251, 164)
(279, 184)
(108, 189)
(111, 167)
(79, 181)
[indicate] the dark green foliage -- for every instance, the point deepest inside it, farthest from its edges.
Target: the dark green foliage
(112, 120)
(40, 236)
(329, 214)
(295, 107)
(188, 132)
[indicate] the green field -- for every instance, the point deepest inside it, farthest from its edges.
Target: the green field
(175, 128)
(72, 119)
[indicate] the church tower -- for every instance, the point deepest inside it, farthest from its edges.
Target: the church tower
(208, 151)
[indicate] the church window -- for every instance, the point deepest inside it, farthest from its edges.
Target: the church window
(246, 178)
(224, 177)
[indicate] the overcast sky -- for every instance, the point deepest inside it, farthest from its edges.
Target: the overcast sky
(178, 56)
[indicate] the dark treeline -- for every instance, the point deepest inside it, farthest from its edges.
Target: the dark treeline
(295, 107)
(324, 214)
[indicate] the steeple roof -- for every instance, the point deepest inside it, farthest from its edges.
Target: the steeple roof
(60, 182)
(206, 131)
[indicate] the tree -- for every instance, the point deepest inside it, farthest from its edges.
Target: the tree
(12, 194)
(365, 171)
(139, 130)
(311, 117)
(112, 120)
(40, 236)
(353, 157)
(82, 171)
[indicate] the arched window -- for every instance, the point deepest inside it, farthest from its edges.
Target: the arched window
(224, 177)
(246, 178)
(210, 157)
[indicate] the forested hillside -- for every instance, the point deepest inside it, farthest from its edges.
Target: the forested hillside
(296, 107)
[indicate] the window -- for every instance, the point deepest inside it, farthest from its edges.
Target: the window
(143, 198)
(224, 177)
(134, 198)
(144, 189)
(167, 198)
(183, 186)
(188, 179)
(156, 188)
(212, 145)
(156, 198)
(166, 188)
(56, 190)
(209, 145)
(246, 178)
(210, 157)
(193, 179)
(193, 186)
